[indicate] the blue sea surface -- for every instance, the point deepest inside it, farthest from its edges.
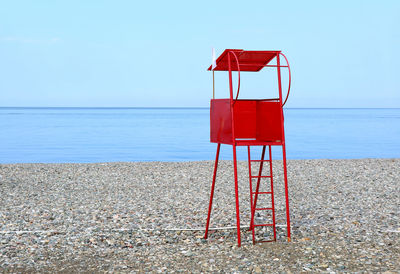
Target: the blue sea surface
(84, 135)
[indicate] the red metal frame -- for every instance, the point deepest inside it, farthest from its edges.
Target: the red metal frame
(212, 190)
(245, 122)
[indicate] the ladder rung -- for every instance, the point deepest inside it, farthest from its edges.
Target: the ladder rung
(261, 192)
(260, 177)
(263, 225)
(264, 208)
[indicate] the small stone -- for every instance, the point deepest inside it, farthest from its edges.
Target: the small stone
(187, 253)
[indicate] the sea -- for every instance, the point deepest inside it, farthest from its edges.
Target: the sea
(91, 135)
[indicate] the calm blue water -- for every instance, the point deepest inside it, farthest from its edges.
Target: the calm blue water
(52, 135)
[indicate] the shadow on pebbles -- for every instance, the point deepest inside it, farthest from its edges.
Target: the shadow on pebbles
(149, 217)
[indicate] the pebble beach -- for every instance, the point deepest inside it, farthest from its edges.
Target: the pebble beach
(150, 217)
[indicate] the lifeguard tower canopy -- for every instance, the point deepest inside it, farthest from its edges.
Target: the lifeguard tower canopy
(249, 60)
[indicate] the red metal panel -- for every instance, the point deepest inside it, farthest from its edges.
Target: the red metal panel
(220, 121)
(269, 122)
(245, 118)
(257, 120)
(249, 60)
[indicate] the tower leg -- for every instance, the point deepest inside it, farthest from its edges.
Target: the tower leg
(250, 183)
(286, 191)
(236, 194)
(212, 191)
(272, 191)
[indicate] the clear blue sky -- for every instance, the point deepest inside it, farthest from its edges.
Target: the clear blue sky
(149, 53)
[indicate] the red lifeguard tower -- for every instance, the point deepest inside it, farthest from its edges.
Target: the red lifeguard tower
(249, 122)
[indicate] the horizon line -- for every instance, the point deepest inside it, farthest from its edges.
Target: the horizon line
(190, 107)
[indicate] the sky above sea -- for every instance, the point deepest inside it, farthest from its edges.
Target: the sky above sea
(155, 53)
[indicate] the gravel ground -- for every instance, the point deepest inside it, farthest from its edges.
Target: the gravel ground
(119, 217)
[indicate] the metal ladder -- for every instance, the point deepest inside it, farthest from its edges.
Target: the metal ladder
(257, 192)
